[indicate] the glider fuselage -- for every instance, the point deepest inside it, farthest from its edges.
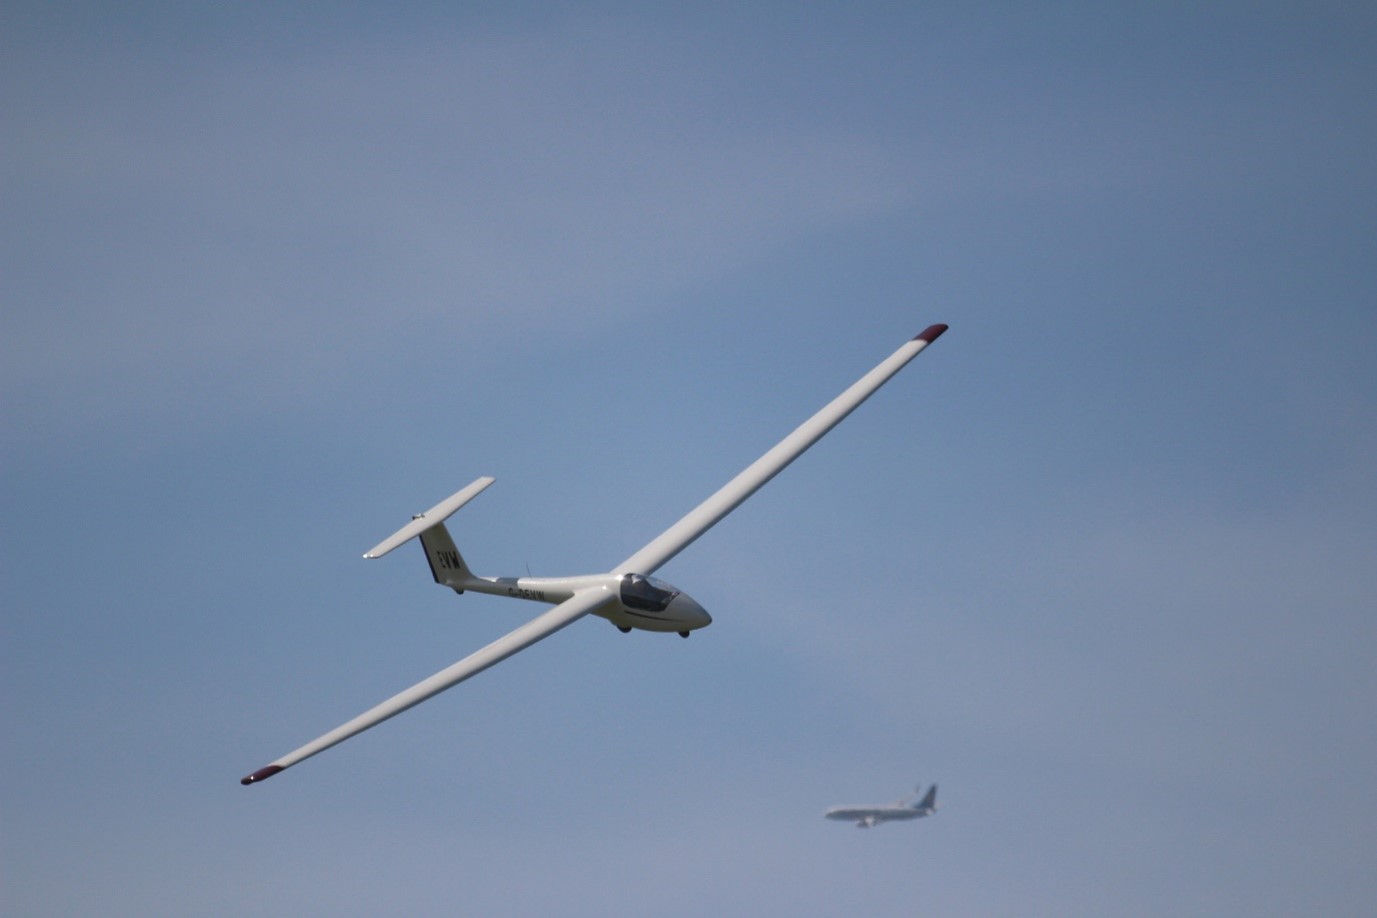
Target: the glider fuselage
(644, 603)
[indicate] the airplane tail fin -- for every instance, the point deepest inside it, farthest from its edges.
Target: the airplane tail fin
(446, 564)
(929, 801)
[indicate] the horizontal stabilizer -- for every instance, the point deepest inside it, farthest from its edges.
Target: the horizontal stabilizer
(436, 514)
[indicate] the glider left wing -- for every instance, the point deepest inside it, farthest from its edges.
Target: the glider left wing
(567, 612)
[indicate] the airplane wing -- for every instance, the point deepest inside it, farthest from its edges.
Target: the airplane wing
(536, 629)
(679, 536)
(865, 817)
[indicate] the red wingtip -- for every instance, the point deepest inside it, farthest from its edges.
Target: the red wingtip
(261, 774)
(931, 333)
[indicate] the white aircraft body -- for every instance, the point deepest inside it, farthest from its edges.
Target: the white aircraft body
(626, 595)
(867, 817)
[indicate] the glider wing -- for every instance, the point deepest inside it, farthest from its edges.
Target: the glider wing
(567, 612)
(679, 536)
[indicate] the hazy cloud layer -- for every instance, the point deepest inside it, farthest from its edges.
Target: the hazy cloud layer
(1099, 563)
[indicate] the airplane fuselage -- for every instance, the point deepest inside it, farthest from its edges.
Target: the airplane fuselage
(866, 817)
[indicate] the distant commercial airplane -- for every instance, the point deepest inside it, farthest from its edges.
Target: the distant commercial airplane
(866, 817)
(627, 596)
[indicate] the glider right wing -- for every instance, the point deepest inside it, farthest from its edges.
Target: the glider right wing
(702, 518)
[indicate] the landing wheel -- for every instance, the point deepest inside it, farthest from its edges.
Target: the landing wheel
(683, 634)
(624, 629)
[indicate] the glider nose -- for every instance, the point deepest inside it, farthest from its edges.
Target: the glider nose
(691, 615)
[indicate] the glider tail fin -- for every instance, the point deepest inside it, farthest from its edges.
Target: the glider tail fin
(446, 564)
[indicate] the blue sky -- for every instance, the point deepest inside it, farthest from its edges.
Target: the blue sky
(1099, 562)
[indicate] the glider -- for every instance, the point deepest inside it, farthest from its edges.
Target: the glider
(628, 595)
